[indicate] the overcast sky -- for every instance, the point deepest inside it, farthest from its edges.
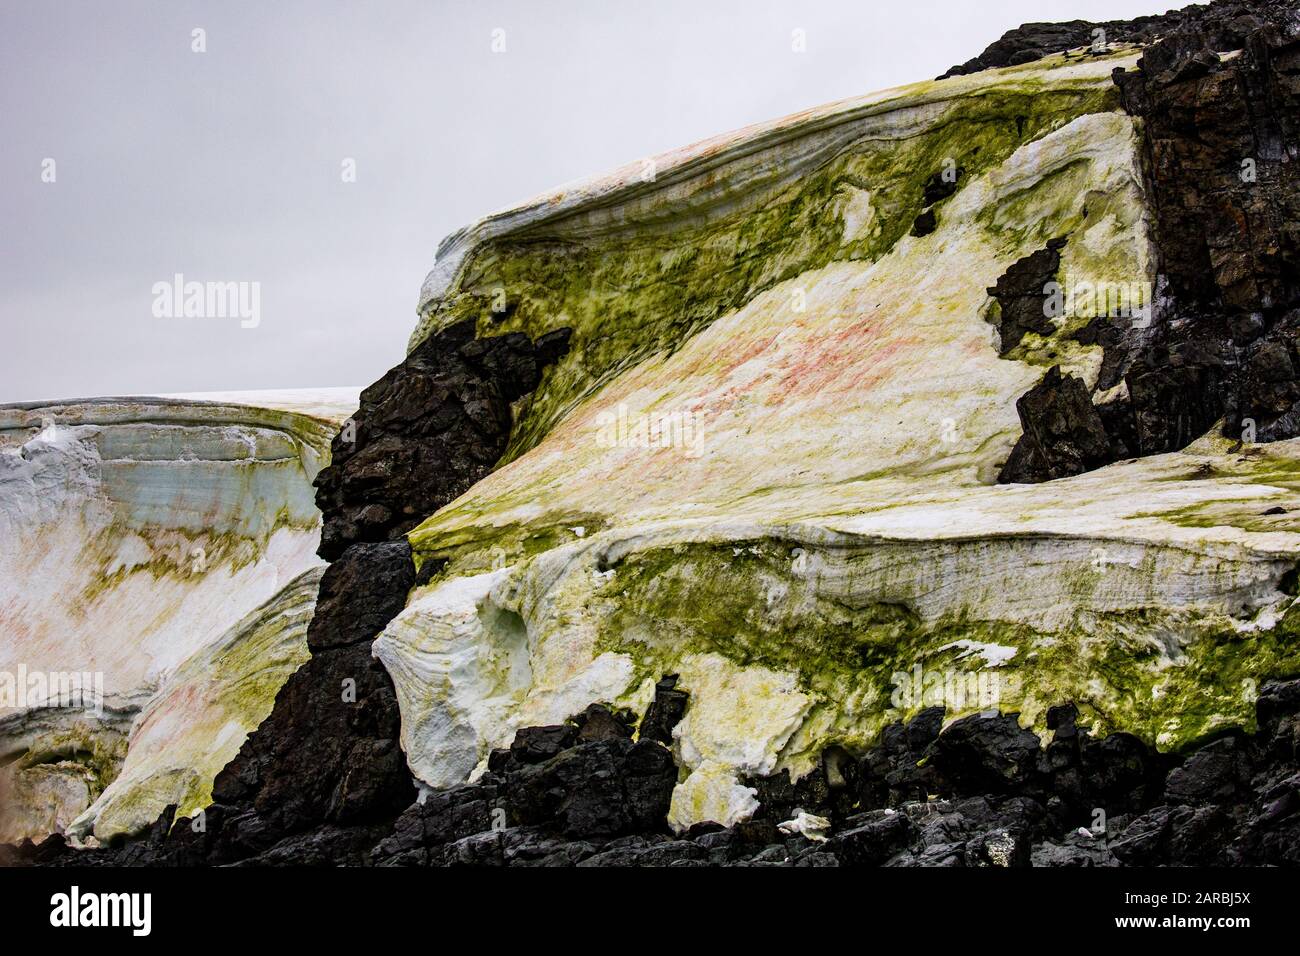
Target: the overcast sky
(227, 164)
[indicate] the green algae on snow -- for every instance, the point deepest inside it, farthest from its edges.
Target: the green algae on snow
(196, 724)
(162, 523)
(791, 642)
(831, 555)
(1169, 677)
(632, 293)
(886, 370)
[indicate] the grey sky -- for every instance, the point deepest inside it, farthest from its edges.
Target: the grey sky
(226, 165)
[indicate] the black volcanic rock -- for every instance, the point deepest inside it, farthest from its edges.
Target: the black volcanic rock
(940, 186)
(1222, 183)
(537, 744)
(925, 223)
(1217, 773)
(1226, 24)
(328, 753)
(893, 772)
(425, 432)
(874, 841)
(1033, 41)
(604, 788)
(1063, 434)
(1225, 194)
(992, 796)
(599, 722)
(979, 754)
(665, 711)
(1023, 294)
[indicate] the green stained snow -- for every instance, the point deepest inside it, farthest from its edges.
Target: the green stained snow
(767, 462)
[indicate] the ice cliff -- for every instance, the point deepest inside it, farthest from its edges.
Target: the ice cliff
(166, 546)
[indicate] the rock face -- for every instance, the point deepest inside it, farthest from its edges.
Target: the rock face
(1217, 96)
(426, 432)
(1226, 24)
(1230, 247)
(678, 538)
(1022, 293)
(1063, 432)
(325, 766)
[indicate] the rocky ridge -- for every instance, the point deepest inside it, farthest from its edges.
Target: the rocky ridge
(1217, 94)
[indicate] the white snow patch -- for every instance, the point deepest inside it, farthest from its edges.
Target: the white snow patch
(995, 655)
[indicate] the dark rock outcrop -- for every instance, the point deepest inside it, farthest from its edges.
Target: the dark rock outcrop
(1023, 295)
(981, 792)
(938, 187)
(1221, 149)
(1063, 433)
(1221, 157)
(604, 788)
(664, 712)
(328, 753)
(427, 431)
(555, 796)
(1226, 24)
